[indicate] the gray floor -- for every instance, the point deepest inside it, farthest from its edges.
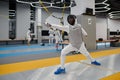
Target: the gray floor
(28, 57)
(75, 71)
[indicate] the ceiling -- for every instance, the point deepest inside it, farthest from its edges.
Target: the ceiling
(56, 3)
(110, 8)
(114, 5)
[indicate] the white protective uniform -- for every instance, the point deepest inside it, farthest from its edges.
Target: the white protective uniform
(51, 36)
(28, 35)
(76, 42)
(58, 36)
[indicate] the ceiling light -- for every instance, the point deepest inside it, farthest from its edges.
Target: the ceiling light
(37, 5)
(47, 5)
(104, 8)
(114, 14)
(27, 1)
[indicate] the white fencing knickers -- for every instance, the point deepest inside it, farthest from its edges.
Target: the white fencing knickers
(70, 48)
(28, 39)
(51, 38)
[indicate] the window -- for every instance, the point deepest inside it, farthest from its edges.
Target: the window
(45, 33)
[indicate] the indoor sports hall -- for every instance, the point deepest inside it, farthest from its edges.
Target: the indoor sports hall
(59, 39)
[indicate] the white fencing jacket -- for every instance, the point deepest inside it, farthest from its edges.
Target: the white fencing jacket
(51, 33)
(28, 34)
(75, 33)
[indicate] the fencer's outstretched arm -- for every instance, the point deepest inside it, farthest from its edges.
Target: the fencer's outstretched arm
(64, 28)
(60, 27)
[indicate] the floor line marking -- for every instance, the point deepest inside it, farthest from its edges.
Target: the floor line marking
(83, 70)
(115, 76)
(100, 67)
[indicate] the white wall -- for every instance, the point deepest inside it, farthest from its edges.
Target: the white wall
(23, 20)
(82, 5)
(38, 23)
(38, 16)
(102, 24)
(4, 21)
(101, 28)
(114, 25)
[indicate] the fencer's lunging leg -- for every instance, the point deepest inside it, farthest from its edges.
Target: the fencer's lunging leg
(64, 52)
(85, 52)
